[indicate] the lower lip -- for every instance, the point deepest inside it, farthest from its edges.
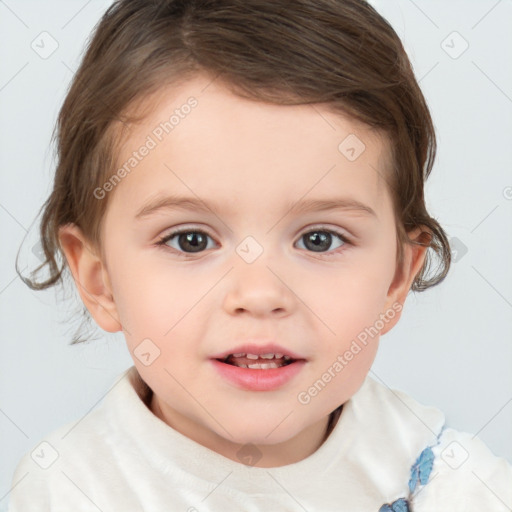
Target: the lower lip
(258, 380)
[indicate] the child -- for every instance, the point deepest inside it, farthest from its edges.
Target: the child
(240, 191)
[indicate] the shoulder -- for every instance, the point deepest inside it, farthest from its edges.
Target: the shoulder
(395, 415)
(441, 469)
(50, 466)
(397, 403)
(77, 451)
(465, 476)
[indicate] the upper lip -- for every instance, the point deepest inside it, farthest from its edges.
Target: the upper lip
(251, 348)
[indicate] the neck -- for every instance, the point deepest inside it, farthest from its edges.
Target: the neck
(288, 452)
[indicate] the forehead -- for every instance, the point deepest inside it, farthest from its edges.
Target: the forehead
(204, 139)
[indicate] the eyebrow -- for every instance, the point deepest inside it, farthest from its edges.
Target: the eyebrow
(297, 207)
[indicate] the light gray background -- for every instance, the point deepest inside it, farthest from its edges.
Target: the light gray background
(452, 348)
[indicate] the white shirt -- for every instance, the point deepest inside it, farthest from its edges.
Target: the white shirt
(121, 457)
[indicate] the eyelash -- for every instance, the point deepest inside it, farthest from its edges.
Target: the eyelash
(163, 241)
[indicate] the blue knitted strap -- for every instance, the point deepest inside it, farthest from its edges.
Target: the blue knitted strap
(401, 505)
(420, 473)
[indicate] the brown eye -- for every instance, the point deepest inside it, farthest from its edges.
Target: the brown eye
(187, 242)
(193, 241)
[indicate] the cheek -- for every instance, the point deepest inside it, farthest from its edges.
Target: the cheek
(159, 303)
(353, 297)
(147, 300)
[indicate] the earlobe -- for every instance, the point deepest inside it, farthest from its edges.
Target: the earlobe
(90, 276)
(414, 257)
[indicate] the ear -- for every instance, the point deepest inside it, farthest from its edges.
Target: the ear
(414, 257)
(90, 276)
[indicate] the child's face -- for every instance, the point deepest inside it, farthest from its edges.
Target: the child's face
(255, 277)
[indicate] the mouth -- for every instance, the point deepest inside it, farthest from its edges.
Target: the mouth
(258, 362)
(266, 371)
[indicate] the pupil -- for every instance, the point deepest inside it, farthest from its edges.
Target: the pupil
(190, 241)
(319, 239)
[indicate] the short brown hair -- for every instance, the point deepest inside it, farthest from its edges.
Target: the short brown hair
(338, 52)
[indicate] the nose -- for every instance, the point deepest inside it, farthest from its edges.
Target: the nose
(259, 290)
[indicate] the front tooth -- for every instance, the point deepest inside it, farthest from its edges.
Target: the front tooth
(267, 356)
(252, 356)
(263, 366)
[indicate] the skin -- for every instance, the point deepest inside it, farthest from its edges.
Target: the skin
(252, 159)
